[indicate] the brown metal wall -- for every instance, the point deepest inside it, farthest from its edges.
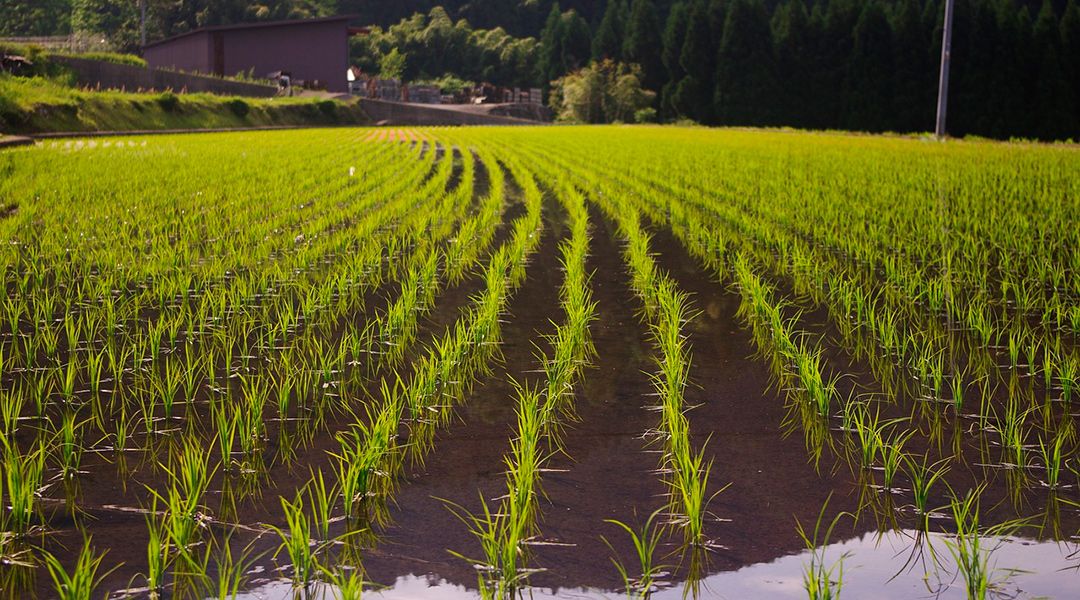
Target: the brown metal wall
(190, 53)
(308, 51)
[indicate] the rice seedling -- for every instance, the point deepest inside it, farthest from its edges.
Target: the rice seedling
(23, 474)
(968, 546)
(822, 580)
(296, 542)
(922, 477)
(645, 542)
(346, 583)
(80, 583)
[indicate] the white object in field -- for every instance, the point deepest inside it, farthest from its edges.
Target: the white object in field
(352, 171)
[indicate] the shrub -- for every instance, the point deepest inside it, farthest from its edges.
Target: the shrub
(328, 108)
(168, 101)
(109, 57)
(238, 107)
(645, 115)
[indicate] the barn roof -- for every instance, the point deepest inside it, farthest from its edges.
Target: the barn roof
(255, 25)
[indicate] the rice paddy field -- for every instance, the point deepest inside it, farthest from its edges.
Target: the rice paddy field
(561, 362)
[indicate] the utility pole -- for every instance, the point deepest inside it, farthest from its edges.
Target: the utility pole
(142, 22)
(943, 80)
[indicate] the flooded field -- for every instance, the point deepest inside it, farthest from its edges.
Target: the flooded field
(543, 362)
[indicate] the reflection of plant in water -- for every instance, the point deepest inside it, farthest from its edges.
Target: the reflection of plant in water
(822, 581)
(645, 542)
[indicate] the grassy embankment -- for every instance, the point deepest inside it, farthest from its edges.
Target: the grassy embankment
(46, 100)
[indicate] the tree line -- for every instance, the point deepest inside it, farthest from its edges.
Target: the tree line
(843, 64)
(848, 64)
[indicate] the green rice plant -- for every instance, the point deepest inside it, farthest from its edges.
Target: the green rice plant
(11, 408)
(226, 424)
(158, 551)
(95, 367)
(822, 581)
(966, 547)
(645, 544)
(297, 542)
(1013, 434)
(321, 499)
(364, 463)
(345, 583)
(1052, 459)
(922, 476)
(80, 583)
(189, 475)
(232, 572)
(869, 432)
(893, 458)
(22, 475)
(498, 570)
(68, 442)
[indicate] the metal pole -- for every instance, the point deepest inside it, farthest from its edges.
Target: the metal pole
(142, 22)
(943, 80)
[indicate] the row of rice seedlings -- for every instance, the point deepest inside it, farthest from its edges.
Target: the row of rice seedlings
(667, 310)
(506, 531)
(799, 367)
(394, 330)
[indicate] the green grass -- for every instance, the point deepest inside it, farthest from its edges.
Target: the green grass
(43, 105)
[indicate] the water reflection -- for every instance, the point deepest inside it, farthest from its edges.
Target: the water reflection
(897, 565)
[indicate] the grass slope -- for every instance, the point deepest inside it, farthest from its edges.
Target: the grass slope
(42, 105)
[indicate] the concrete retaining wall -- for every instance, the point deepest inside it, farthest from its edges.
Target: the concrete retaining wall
(400, 113)
(106, 75)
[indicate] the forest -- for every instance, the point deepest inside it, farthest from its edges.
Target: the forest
(827, 64)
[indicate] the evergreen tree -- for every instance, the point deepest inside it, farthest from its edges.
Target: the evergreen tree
(835, 38)
(642, 45)
(674, 36)
(745, 85)
(1052, 94)
(1070, 52)
(693, 94)
(870, 68)
(607, 43)
(791, 35)
(550, 63)
(575, 42)
(914, 80)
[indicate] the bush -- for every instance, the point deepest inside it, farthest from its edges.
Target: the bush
(168, 101)
(328, 108)
(645, 115)
(238, 107)
(109, 57)
(603, 92)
